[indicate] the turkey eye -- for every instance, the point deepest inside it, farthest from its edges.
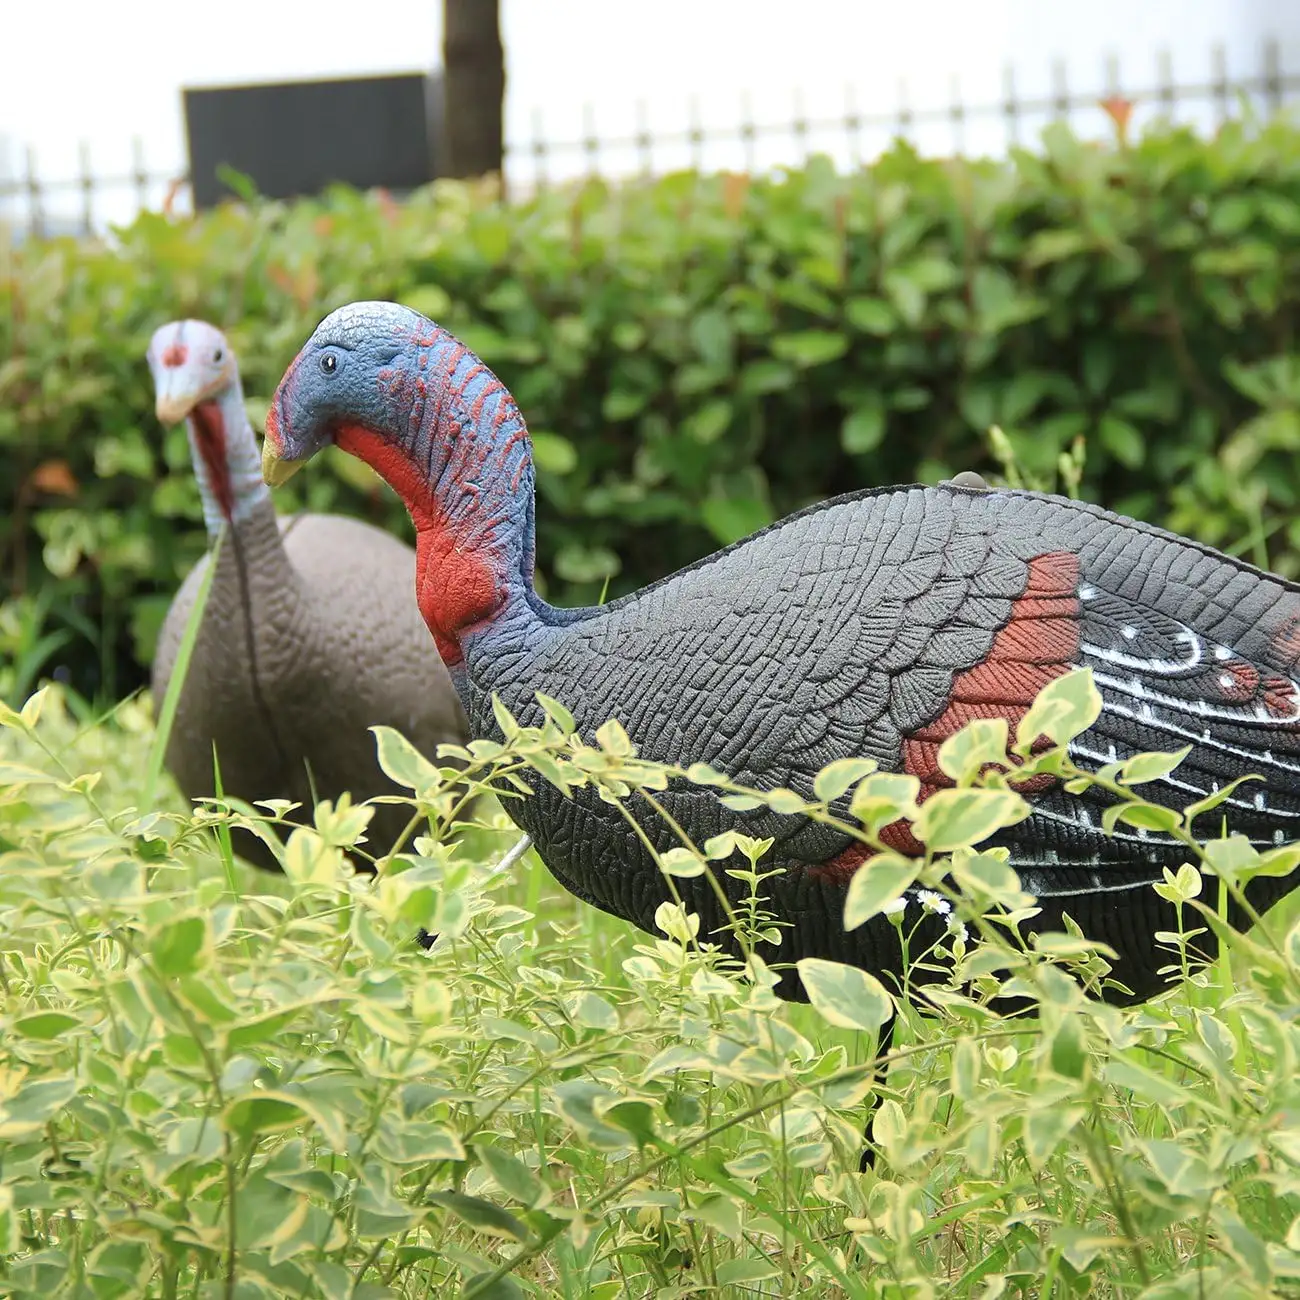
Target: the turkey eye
(217, 355)
(329, 363)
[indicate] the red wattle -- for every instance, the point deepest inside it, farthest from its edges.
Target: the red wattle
(455, 588)
(210, 438)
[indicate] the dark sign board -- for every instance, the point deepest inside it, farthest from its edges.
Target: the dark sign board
(294, 138)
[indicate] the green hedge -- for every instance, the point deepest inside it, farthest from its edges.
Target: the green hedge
(695, 356)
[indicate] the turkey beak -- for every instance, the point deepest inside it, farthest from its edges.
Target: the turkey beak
(172, 407)
(276, 469)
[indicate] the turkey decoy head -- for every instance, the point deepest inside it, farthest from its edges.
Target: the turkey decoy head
(191, 363)
(350, 376)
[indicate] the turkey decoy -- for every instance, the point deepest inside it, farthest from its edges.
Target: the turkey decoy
(875, 624)
(310, 636)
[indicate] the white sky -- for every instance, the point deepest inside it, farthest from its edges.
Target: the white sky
(100, 73)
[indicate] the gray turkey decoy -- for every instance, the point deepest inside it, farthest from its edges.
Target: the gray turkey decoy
(311, 633)
(875, 624)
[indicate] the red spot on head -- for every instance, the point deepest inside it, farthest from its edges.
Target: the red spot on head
(210, 438)
(455, 587)
(1039, 642)
(175, 355)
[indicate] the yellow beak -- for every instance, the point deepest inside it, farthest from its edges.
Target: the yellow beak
(276, 470)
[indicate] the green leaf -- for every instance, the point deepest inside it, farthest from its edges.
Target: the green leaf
(402, 762)
(481, 1215)
(710, 422)
(984, 873)
(810, 347)
(864, 427)
(34, 1105)
(309, 861)
(951, 819)
(557, 713)
(621, 404)
(906, 295)
(611, 737)
(553, 454)
(1065, 708)
(1048, 246)
(576, 563)
(263, 1028)
(844, 995)
(181, 947)
(1231, 857)
(681, 863)
(1146, 1084)
(262, 1112)
(739, 1272)
(576, 1100)
(718, 1212)
(1068, 1054)
(1122, 440)
(477, 1287)
(835, 778)
(634, 1117)
(885, 797)
(45, 1025)
(730, 519)
(766, 376)
(1279, 862)
(1151, 767)
(870, 315)
(983, 741)
(511, 1175)
(1217, 798)
(1046, 1129)
(876, 883)
(1145, 816)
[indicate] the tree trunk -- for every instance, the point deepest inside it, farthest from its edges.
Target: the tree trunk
(474, 70)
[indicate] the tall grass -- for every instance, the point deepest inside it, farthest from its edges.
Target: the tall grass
(274, 1091)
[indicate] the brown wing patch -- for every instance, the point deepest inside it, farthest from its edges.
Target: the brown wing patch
(1039, 642)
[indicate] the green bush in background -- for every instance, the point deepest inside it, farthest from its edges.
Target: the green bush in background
(696, 356)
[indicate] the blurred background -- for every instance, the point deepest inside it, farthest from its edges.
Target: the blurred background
(614, 88)
(731, 257)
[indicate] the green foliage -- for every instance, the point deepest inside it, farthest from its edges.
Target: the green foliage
(696, 357)
(271, 1090)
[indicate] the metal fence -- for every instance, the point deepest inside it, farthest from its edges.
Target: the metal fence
(31, 203)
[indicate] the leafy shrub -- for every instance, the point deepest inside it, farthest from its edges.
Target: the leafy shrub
(215, 1083)
(695, 356)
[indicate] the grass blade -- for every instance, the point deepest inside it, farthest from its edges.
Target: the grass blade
(167, 712)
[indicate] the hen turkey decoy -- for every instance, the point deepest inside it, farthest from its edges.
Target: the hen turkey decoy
(875, 624)
(310, 634)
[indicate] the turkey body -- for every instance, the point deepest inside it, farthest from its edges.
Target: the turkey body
(337, 646)
(872, 625)
(310, 635)
(877, 625)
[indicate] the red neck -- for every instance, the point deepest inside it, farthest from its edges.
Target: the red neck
(210, 437)
(454, 587)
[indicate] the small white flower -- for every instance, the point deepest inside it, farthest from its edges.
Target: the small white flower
(933, 903)
(895, 905)
(958, 928)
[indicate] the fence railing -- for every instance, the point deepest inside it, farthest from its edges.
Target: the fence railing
(85, 202)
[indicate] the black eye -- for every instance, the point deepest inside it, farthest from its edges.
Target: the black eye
(217, 355)
(329, 363)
